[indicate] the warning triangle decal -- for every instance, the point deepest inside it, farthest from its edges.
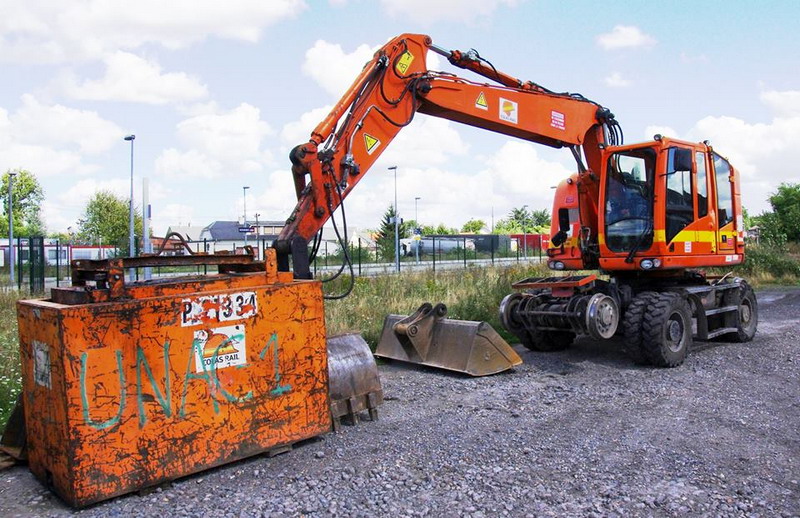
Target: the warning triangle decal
(481, 103)
(371, 142)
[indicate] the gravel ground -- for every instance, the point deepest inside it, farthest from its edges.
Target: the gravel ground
(578, 433)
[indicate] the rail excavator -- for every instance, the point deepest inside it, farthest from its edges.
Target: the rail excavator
(644, 216)
(127, 384)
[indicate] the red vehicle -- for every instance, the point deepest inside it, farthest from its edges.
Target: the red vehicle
(646, 215)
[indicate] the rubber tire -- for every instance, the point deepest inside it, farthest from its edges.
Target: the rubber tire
(665, 309)
(548, 341)
(632, 326)
(746, 332)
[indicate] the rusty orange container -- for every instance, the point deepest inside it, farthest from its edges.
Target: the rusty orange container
(169, 379)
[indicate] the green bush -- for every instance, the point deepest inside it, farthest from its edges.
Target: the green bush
(10, 372)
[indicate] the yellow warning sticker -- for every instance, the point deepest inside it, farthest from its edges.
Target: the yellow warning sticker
(481, 103)
(404, 63)
(371, 142)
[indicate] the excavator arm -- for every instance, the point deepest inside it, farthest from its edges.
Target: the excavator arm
(391, 89)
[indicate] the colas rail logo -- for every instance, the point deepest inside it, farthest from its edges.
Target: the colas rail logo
(508, 110)
(219, 348)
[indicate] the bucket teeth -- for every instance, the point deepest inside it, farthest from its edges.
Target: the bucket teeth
(354, 384)
(426, 337)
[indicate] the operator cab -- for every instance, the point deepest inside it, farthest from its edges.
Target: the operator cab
(661, 205)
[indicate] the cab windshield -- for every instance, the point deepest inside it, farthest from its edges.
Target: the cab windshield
(629, 200)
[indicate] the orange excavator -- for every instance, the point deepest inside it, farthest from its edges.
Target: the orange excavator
(644, 216)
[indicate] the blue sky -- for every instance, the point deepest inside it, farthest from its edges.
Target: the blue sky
(218, 92)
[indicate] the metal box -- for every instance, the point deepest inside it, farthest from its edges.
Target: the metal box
(165, 379)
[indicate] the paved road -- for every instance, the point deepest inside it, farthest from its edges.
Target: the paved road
(582, 432)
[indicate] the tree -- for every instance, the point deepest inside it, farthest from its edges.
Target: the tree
(440, 230)
(27, 197)
(473, 226)
(386, 234)
(786, 204)
(105, 220)
(540, 219)
(520, 220)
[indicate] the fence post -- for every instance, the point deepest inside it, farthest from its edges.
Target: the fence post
(491, 245)
(58, 262)
(465, 252)
(433, 252)
(359, 257)
(205, 250)
(19, 263)
(517, 239)
(326, 255)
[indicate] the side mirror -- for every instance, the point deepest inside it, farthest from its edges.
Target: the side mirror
(682, 159)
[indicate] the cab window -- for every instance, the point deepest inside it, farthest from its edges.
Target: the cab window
(702, 185)
(722, 171)
(680, 206)
(629, 200)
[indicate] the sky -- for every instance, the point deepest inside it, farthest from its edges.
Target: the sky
(217, 93)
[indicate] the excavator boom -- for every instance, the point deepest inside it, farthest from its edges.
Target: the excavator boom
(391, 89)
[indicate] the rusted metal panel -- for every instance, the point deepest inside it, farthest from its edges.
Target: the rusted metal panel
(176, 378)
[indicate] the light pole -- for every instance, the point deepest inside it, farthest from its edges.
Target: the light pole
(11, 227)
(131, 253)
(244, 194)
(258, 238)
(396, 223)
(417, 236)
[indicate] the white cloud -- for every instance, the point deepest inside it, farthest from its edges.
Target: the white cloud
(299, 131)
(46, 31)
(786, 103)
(625, 36)
(457, 11)
(615, 80)
(187, 164)
(174, 214)
(52, 140)
(426, 142)
(762, 152)
(37, 123)
(334, 69)
(217, 144)
(131, 78)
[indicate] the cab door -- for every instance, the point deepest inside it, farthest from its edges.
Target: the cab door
(726, 234)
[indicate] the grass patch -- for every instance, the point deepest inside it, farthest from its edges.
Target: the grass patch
(766, 265)
(10, 370)
(470, 294)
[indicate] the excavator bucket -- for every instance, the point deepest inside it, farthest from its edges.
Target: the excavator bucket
(354, 384)
(426, 337)
(12, 443)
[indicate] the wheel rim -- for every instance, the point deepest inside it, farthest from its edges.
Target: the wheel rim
(745, 313)
(674, 332)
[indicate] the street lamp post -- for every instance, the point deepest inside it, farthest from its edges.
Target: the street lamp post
(418, 238)
(396, 223)
(258, 238)
(10, 227)
(244, 194)
(131, 244)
